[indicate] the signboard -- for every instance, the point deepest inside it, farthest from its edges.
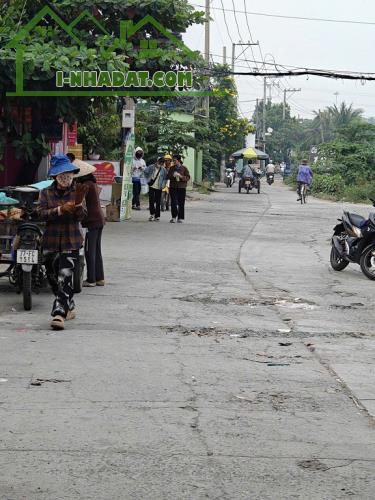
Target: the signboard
(127, 186)
(77, 150)
(72, 134)
(105, 172)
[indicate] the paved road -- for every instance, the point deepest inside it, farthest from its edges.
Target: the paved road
(172, 383)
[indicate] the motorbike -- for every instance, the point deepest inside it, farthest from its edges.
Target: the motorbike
(27, 272)
(353, 241)
(229, 177)
(270, 179)
(250, 183)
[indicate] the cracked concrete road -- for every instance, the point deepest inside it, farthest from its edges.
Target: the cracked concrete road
(223, 360)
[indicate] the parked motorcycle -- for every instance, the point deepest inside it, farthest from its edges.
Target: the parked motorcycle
(27, 272)
(229, 177)
(353, 241)
(270, 179)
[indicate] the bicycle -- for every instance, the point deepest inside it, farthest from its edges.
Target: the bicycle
(304, 191)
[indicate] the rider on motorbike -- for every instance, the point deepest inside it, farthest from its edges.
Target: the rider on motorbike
(305, 176)
(270, 169)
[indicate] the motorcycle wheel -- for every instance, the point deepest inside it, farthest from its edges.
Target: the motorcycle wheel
(258, 187)
(26, 290)
(337, 263)
(248, 190)
(367, 262)
(239, 187)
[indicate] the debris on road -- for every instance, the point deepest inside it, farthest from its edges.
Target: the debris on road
(39, 381)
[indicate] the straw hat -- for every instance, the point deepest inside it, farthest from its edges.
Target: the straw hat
(84, 168)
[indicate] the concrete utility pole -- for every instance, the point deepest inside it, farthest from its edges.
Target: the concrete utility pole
(224, 55)
(257, 123)
(207, 51)
(240, 44)
(292, 91)
(264, 113)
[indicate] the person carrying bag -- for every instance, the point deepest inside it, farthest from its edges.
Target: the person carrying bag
(156, 176)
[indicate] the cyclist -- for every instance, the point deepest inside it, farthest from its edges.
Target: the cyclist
(305, 176)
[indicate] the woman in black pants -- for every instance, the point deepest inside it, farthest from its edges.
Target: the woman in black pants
(94, 222)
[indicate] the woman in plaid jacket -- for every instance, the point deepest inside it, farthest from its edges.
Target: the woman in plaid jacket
(61, 206)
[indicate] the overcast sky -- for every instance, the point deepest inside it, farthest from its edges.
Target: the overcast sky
(313, 44)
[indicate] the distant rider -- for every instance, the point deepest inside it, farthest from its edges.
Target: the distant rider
(270, 169)
(305, 176)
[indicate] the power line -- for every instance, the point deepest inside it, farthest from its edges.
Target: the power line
(225, 20)
(299, 18)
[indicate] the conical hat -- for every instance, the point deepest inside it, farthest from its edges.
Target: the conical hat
(84, 168)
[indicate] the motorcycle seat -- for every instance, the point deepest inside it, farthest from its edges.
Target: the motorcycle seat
(356, 220)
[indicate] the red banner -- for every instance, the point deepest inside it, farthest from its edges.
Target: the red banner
(72, 134)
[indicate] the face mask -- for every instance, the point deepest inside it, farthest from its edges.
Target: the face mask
(65, 180)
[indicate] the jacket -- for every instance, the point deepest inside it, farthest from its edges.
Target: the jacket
(62, 233)
(151, 172)
(305, 174)
(184, 179)
(94, 218)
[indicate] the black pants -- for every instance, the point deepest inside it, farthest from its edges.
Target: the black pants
(93, 255)
(136, 192)
(178, 196)
(154, 198)
(60, 267)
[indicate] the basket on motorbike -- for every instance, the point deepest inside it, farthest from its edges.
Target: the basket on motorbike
(8, 230)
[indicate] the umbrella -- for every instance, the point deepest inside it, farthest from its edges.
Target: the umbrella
(251, 154)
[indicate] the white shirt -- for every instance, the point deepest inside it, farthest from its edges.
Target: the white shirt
(270, 168)
(138, 167)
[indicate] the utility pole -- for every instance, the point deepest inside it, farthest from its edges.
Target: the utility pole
(240, 44)
(207, 51)
(292, 91)
(257, 123)
(264, 113)
(128, 122)
(224, 55)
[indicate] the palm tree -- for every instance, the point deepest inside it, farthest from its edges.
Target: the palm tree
(344, 115)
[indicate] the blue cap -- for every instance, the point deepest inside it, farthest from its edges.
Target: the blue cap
(61, 164)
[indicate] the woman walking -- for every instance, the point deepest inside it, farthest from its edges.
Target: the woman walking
(179, 176)
(156, 176)
(94, 223)
(61, 206)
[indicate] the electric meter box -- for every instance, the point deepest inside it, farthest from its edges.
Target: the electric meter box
(128, 118)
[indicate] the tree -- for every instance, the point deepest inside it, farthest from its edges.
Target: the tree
(49, 49)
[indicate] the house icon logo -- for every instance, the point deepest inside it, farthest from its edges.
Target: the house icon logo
(172, 83)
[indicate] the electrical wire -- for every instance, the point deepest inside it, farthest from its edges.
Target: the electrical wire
(225, 20)
(299, 18)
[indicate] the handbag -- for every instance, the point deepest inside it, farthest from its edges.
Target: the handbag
(151, 182)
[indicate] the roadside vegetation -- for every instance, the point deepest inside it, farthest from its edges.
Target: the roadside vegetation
(344, 161)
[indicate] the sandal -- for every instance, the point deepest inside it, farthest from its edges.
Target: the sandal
(58, 323)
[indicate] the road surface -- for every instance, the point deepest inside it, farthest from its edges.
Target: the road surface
(223, 360)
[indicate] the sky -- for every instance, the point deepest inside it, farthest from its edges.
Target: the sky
(312, 44)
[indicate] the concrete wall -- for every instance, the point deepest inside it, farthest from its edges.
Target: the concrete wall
(193, 159)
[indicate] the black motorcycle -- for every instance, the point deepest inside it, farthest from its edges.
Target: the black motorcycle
(353, 241)
(270, 179)
(27, 272)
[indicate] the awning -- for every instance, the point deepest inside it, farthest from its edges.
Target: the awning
(251, 154)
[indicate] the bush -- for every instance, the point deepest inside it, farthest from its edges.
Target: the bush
(359, 193)
(328, 184)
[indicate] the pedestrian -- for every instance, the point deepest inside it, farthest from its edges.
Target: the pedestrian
(137, 172)
(178, 176)
(62, 207)
(94, 223)
(156, 176)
